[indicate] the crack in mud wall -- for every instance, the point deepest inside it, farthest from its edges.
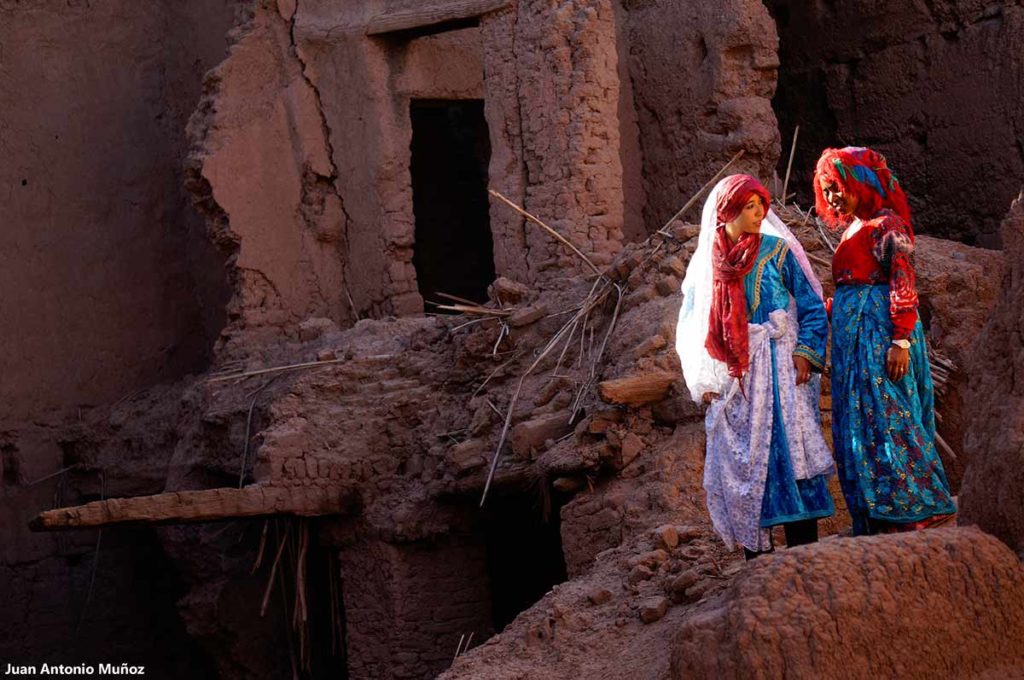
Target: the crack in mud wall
(261, 148)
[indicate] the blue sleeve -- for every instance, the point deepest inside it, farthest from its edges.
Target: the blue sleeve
(810, 314)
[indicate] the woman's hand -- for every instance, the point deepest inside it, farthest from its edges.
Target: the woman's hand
(709, 397)
(897, 362)
(803, 369)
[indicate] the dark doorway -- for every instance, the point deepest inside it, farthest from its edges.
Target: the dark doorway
(524, 551)
(450, 148)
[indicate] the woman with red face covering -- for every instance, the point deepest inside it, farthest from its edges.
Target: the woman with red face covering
(883, 421)
(751, 340)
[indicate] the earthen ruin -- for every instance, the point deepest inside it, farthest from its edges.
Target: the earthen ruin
(269, 339)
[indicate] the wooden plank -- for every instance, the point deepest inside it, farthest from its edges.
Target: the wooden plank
(639, 389)
(198, 506)
(404, 20)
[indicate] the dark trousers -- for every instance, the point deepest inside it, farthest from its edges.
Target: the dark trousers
(797, 533)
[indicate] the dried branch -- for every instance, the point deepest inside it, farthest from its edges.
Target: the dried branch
(455, 298)
(274, 369)
(476, 309)
(789, 165)
(545, 228)
(817, 258)
(273, 573)
(693, 199)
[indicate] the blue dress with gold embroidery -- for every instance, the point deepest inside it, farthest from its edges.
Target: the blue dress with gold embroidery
(775, 280)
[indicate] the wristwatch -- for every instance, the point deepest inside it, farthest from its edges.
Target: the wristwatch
(902, 344)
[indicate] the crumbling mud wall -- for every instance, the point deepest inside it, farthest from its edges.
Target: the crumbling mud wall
(993, 492)
(959, 286)
(702, 78)
(110, 286)
(587, 132)
(937, 87)
(410, 417)
(330, 232)
(261, 169)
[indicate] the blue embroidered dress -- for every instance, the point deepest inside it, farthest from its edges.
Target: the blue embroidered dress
(767, 459)
(776, 279)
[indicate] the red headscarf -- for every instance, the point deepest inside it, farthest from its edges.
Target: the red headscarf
(863, 173)
(728, 339)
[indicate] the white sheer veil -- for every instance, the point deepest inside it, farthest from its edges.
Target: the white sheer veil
(701, 372)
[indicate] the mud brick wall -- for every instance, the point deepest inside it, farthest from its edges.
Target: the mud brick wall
(553, 105)
(110, 286)
(407, 605)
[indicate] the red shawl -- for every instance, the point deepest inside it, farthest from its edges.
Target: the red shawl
(728, 339)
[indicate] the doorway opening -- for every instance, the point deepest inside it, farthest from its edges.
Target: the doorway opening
(524, 551)
(454, 253)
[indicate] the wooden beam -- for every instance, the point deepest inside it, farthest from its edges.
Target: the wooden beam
(420, 17)
(199, 506)
(638, 389)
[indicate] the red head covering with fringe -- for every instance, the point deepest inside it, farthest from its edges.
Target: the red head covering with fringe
(862, 172)
(728, 339)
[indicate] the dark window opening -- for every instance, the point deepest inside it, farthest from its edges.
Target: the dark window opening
(451, 149)
(524, 552)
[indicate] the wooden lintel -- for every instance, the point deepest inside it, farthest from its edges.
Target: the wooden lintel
(422, 17)
(198, 506)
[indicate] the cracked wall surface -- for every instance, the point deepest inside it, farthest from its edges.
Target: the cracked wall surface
(261, 158)
(935, 86)
(591, 130)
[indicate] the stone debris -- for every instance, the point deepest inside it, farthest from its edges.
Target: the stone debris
(666, 537)
(599, 596)
(526, 315)
(653, 609)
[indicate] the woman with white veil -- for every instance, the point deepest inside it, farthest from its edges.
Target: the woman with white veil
(751, 340)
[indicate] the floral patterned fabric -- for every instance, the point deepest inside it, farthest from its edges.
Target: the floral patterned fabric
(878, 251)
(767, 460)
(883, 431)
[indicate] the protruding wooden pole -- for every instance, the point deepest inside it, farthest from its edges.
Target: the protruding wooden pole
(198, 506)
